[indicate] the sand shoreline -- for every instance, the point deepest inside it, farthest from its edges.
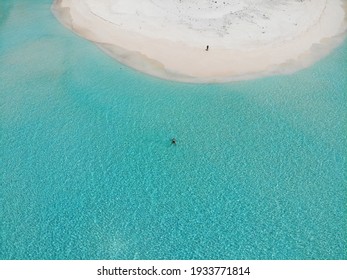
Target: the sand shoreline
(176, 59)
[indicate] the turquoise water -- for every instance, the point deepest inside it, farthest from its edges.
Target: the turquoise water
(88, 172)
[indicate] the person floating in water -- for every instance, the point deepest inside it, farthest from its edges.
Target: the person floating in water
(207, 48)
(173, 141)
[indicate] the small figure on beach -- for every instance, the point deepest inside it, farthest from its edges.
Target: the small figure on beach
(207, 48)
(173, 141)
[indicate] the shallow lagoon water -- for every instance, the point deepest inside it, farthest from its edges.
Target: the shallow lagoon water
(88, 171)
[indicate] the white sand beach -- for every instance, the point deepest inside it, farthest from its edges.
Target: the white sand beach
(246, 38)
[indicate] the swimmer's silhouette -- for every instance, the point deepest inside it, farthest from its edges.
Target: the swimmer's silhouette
(173, 141)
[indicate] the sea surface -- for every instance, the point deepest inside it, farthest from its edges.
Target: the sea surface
(87, 170)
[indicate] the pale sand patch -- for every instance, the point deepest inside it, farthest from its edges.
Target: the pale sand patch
(246, 38)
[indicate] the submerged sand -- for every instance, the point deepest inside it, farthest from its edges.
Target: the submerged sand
(246, 38)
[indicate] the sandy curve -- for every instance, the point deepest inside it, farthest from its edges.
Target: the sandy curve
(246, 38)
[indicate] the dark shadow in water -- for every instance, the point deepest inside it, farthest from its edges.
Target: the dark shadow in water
(5, 10)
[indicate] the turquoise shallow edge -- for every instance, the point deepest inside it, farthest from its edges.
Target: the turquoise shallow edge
(88, 171)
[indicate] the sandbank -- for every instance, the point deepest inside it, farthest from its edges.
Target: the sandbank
(246, 38)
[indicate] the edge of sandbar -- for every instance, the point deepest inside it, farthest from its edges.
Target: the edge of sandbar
(153, 67)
